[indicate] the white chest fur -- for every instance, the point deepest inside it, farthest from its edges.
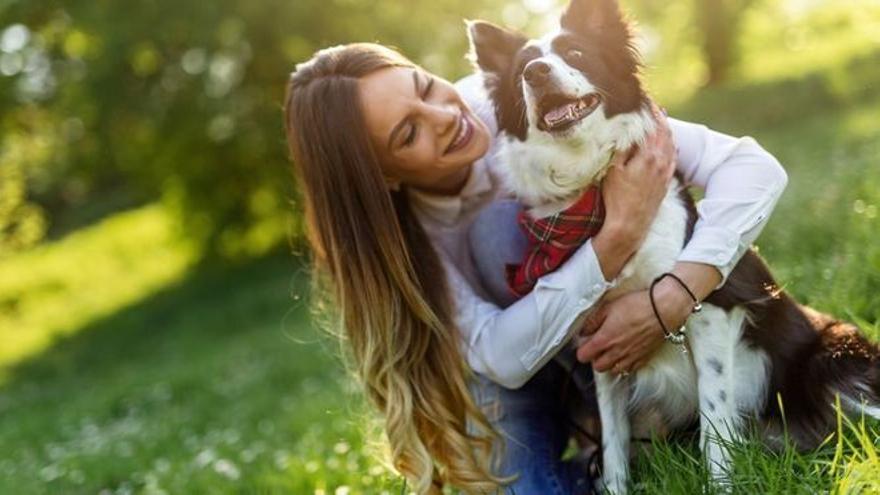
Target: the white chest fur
(669, 380)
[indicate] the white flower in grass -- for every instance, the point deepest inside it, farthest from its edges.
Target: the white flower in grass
(77, 476)
(205, 457)
(248, 455)
(162, 465)
(51, 472)
(227, 468)
(281, 459)
(231, 437)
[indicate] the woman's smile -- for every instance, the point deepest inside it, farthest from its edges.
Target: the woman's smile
(463, 136)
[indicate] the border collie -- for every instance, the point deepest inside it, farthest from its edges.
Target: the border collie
(564, 104)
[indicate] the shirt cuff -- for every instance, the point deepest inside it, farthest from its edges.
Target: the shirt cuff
(716, 246)
(561, 298)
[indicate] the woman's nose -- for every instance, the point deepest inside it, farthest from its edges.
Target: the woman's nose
(444, 117)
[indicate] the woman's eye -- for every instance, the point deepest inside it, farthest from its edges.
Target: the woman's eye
(411, 136)
(574, 54)
(428, 87)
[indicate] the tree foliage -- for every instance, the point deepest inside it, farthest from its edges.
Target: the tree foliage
(181, 100)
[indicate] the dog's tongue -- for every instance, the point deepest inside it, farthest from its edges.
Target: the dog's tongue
(559, 113)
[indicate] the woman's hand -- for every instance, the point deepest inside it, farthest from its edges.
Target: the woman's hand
(622, 335)
(632, 191)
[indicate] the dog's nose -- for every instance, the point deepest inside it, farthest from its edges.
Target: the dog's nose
(536, 73)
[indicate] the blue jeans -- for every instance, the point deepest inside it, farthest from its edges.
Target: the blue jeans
(532, 420)
(533, 425)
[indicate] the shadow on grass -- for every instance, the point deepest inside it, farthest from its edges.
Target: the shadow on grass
(186, 321)
(222, 369)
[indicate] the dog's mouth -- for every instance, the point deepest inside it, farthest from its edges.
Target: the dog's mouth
(560, 112)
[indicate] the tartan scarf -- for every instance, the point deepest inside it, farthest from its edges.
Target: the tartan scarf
(553, 239)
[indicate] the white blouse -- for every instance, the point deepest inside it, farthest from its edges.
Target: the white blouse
(742, 184)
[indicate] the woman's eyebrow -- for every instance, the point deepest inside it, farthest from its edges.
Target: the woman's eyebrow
(399, 126)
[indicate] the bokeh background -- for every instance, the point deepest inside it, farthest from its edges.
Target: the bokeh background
(155, 332)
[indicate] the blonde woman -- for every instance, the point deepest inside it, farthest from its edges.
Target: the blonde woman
(394, 164)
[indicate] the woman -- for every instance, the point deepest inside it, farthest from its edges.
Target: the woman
(390, 188)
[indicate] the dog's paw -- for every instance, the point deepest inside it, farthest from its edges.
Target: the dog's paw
(614, 485)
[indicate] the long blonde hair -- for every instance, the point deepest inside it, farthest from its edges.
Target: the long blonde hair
(386, 280)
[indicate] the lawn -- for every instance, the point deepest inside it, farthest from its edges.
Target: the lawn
(125, 367)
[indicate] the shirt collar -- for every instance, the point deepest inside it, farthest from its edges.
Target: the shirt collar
(447, 209)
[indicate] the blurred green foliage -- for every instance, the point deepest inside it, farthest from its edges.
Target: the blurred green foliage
(108, 105)
(182, 100)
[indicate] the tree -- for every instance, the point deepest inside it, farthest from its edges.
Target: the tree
(719, 22)
(180, 100)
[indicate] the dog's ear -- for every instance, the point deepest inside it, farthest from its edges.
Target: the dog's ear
(590, 15)
(492, 48)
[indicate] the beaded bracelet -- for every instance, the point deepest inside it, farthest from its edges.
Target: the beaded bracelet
(678, 338)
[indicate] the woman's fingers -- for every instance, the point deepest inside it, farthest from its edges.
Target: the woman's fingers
(608, 361)
(630, 363)
(595, 319)
(594, 347)
(660, 145)
(622, 158)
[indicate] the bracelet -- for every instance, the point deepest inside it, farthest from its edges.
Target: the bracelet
(697, 306)
(678, 337)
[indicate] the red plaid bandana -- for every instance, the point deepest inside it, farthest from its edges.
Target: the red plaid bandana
(553, 239)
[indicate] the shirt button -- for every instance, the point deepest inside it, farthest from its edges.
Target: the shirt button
(583, 303)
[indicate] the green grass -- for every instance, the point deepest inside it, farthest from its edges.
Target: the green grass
(126, 367)
(212, 382)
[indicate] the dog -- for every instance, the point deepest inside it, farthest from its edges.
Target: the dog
(564, 104)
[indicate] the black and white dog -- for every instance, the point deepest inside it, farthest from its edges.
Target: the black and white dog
(564, 103)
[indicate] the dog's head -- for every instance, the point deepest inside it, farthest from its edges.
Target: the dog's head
(566, 83)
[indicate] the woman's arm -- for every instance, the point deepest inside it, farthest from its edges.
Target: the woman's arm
(743, 183)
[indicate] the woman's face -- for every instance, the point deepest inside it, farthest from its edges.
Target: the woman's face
(422, 131)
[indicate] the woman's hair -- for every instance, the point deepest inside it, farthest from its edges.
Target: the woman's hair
(385, 278)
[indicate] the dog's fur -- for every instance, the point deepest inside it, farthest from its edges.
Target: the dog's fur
(755, 351)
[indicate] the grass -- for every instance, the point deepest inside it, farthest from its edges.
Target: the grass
(127, 368)
(208, 382)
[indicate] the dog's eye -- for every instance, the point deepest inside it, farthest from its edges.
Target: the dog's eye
(574, 54)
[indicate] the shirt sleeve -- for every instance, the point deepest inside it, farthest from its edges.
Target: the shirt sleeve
(742, 184)
(510, 345)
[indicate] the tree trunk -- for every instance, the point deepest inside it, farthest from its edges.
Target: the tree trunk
(719, 24)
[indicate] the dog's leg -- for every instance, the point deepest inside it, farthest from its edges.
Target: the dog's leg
(714, 337)
(613, 396)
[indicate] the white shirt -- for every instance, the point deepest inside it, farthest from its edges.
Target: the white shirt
(742, 184)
